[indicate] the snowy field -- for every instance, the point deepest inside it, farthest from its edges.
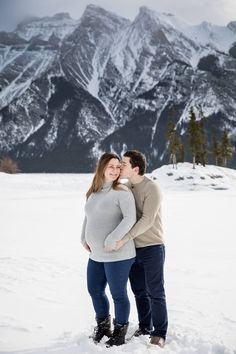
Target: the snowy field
(44, 305)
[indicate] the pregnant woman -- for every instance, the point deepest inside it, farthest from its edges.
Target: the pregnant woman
(109, 214)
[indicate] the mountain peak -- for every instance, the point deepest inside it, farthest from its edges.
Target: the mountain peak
(158, 17)
(146, 14)
(99, 14)
(206, 25)
(61, 23)
(149, 12)
(62, 15)
(145, 11)
(94, 9)
(232, 26)
(168, 14)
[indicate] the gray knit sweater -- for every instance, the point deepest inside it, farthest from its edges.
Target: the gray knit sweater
(109, 215)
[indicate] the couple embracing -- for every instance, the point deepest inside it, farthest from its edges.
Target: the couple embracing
(122, 231)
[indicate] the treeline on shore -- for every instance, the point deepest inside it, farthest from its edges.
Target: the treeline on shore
(197, 145)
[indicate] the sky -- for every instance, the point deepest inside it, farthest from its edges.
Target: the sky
(218, 12)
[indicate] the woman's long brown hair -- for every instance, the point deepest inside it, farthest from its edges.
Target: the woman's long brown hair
(98, 179)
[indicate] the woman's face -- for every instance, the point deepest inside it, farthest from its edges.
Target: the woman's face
(112, 171)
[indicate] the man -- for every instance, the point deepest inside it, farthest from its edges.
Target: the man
(147, 273)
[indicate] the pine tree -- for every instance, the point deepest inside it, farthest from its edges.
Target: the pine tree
(175, 144)
(216, 150)
(202, 142)
(226, 148)
(197, 139)
(181, 153)
(193, 133)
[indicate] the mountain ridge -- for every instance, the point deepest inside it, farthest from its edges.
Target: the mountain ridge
(107, 83)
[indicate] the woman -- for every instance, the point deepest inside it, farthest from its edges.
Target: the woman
(109, 214)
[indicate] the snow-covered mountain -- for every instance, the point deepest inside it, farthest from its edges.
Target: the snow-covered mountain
(70, 89)
(60, 24)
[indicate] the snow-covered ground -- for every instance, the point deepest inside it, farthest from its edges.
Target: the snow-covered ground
(44, 305)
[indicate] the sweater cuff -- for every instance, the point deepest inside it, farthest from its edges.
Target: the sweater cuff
(127, 237)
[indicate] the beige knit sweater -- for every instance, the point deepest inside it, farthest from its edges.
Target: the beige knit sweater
(148, 229)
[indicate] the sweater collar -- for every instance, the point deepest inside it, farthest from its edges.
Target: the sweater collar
(137, 185)
(107, 186)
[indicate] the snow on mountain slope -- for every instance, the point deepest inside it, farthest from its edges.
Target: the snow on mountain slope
(219, 37)
(32, 65)
(84, 63)
(8, 54)
(60, 24)
(108, 78)
(11, 46)
(150, 39)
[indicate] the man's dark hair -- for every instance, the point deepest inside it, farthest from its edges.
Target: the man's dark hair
(137, 159)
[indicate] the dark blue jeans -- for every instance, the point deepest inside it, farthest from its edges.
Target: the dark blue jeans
(116, 274)
(147, 283)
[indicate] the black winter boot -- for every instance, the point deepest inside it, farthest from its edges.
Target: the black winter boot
(118, 335)
(102, 329)
(142, 332)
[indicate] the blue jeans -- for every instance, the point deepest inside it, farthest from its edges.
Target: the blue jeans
(147, 283)
(116, 274)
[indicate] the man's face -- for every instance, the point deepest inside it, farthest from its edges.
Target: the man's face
(126, 169)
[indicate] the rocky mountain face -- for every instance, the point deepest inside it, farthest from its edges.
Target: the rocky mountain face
(60, 24)
(71, 89)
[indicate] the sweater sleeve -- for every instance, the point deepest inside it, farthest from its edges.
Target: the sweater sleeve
(152, 203)
(83, 231)
(128, 209)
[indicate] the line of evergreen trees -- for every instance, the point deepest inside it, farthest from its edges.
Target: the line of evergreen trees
(221, 149)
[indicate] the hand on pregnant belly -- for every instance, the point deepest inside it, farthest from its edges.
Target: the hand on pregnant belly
(109, 248)
(86, 246)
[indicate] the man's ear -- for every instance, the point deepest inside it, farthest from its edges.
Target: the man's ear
(136, 169)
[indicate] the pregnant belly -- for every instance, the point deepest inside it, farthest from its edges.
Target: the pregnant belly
(95, 241)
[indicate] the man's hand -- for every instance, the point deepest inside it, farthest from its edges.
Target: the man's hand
(119, 244)
(86, 246)
(109, 248)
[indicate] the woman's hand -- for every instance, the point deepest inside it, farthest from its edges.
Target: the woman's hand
(86, 246)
